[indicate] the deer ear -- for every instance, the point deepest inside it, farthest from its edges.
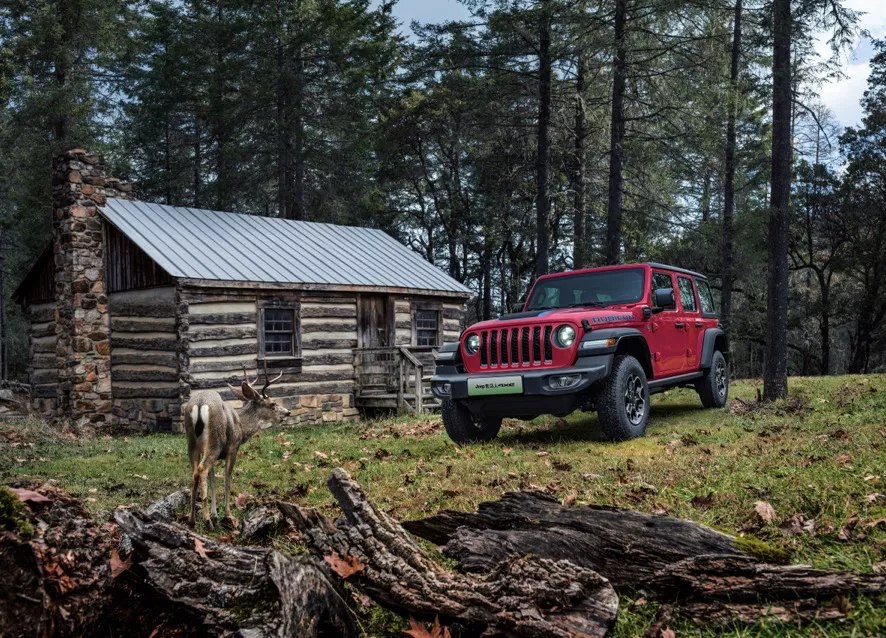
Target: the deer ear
(237, 393)
(249, 392)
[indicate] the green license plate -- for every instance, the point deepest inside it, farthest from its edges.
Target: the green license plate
(485, 386)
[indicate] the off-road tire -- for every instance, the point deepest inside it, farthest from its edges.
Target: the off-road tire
(618, 421)
(713, 389)
(463, 427)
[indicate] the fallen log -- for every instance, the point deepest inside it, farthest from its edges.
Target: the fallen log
(701, 570)
(624, 546)
(54, 561)
(226, 588)
(525, 596)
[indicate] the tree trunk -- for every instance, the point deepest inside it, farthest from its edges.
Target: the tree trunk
(825, 324)
(775, 368)
(616, 150)
(198, 160)
(579, 241)
(543, 161)
(298, 199)
(486, 310)
(728, 276)
(284, 137)
(520, 597)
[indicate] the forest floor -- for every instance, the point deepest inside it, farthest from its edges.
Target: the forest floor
(819, 461)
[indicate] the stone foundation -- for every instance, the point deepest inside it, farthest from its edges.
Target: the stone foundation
(322, 408)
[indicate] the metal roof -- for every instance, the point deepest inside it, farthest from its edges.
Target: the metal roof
(203, 244)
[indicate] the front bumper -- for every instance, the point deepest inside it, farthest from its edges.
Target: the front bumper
(536, 383)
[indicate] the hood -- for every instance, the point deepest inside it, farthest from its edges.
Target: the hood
(595, 316)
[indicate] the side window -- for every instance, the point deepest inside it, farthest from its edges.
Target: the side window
(279, 332)
(705, 297)
(426, 327)
(687, 294)
(661, 280)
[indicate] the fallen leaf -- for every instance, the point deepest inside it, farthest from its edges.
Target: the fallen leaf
(31, 496)
(765, 511)
(200, 548)
(879, 568)
(241, 499)
(140, 476)
(344, 566)
(590, 476)
(118, 566)
(569, 501)
(667, 632)
(542, 453)
(702, 502)
(880, 522)
(873, 498)
(321, 455)
(843, 458)
(507, 451)
(382, 453)
(418, 630)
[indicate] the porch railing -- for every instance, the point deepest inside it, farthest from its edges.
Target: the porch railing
(395, 377)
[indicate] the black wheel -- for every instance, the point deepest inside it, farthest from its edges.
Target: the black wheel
(623, 403)
(463, 427)
(713, 387)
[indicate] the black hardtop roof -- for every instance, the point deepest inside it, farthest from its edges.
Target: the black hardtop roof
(675, 269)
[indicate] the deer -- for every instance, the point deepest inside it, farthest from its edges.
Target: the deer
(216, 431)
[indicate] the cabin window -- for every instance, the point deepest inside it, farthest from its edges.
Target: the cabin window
(279, 332)
(426, 326)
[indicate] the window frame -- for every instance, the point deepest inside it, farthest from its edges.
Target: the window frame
(672, 287)
(296, 353)
(695, 301)
(427, 307)
(707, 315)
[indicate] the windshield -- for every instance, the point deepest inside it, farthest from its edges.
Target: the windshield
(604, 288)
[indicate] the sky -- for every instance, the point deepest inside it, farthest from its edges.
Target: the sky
(841, 97)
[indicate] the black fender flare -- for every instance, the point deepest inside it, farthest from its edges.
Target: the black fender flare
(622, 334)
(707, 350)
(448, 358)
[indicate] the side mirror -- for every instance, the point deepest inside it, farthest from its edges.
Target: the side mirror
(664, 299)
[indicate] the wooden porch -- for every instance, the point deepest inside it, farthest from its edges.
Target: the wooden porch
(395, 378)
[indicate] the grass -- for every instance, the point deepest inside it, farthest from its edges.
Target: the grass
(820, 457)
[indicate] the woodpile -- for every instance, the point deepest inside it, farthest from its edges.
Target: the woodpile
(527, 566)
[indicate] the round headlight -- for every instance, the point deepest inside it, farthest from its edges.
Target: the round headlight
(564, 336)
(472, 344)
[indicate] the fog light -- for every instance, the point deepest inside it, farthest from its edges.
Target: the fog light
(444, 388)
(564, 381)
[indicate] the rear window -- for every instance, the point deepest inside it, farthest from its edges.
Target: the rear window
(687, 295)
(705, 297)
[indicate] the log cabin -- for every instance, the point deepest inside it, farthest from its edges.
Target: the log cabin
(133, 304)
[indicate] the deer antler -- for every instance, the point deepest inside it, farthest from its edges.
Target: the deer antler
(268, 380)
(251, 384)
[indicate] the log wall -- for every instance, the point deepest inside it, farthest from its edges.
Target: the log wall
(144, 359)
(43, 368)
(220, 330)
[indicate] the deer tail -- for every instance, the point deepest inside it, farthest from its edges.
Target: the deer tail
(200, 419)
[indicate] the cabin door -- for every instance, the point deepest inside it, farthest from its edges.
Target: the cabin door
(373, 324)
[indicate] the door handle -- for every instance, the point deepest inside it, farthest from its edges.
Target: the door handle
(699, 324)
(679, 326)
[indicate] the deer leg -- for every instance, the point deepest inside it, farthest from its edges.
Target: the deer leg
(229, 470)
(204, 471)
(212, 492)
(195, 485)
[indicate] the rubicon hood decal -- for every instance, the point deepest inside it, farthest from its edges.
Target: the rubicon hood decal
(610, 318)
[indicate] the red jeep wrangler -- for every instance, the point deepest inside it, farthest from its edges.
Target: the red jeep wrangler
(597, 339)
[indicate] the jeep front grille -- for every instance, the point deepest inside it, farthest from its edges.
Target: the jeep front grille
(528, 346)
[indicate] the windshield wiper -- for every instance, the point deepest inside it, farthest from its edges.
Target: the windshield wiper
(589, 304)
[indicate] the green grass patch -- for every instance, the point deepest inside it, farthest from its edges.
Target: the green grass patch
(819, 458)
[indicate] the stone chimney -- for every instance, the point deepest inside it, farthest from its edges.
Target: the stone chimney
(83, 347)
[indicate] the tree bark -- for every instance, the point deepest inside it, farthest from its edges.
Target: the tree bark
(579, 178)
(616, 149)
(775, 366)
(230, 589)
(543, 151)
(728, 276)
(626, 547)
(519, 597)
(56, 579)
(671, 560)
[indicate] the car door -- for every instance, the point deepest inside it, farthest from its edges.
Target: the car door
(692, 323)
(667, 342)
